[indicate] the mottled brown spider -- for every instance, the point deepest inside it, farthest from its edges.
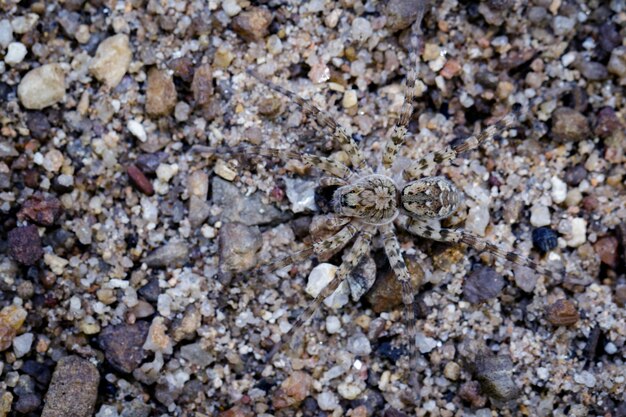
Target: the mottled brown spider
(369, 202)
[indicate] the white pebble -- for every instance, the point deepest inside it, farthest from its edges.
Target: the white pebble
(165, 172)
(137, 130)
(42, 87)
(585, 378)
(610, 348)
(539, 215)
(359, 344)
(223, 170)
(361, 29)
(301, 195)
(333, 324)
(578, 234)
(477, 220)
(231, 8)
(319, 278)
(349, 99)
(15, 53)
(22, 344)
(53, 160)
(424, 343)
(327, 401)
(559, 190)
(23, 24)
(349, 391)
(6, 33)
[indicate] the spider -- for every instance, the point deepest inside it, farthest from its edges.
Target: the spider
(368, 202)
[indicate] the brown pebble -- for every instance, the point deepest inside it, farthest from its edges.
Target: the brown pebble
(73, 390)
(7, 334)
(141, 182)
(606, 248)
(236, 411)
(590, 203)
(183, 68)
(253, 24)
(451, 69)
(386, 293)
(25, 244)
(160, 93)
(392, 412)
(293, 390)
(620, 295)
(30, 177)
(470, 392)
(569, 125)
(606, 122)
(41, 210)
(123, 345)
(202, 85)
(562, 312)
(270, 107)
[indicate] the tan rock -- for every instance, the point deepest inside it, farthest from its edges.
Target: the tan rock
(112, 60)
(160, 94)
(42, 87)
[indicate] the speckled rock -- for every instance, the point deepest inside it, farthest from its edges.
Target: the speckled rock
(171, 254)
(25, 244)
(495, 376)
(606, 248)
(73, 390)
(160, 93)
(42, 87)
(112, 60)
(41, 210)
(253, 24)
(123, 345)
(569, 125)
(11, 320)
(402, 13)
(202, 85)
(562, 312)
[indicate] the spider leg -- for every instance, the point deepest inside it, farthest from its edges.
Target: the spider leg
(330, 245)
(432, 230)
(351, 260)
(327, 165)
(392, 249)
(345, 141)
(431, 160)
(332, 182)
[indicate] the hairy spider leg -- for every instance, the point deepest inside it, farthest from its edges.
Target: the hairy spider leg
(432, 159)
(351, 260)
(392, 249)
(432, 230)
(327, 165)
(339, 134)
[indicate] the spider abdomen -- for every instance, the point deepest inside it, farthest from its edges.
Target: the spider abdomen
(430, 197)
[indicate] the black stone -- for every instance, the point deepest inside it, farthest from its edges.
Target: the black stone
(544, 239)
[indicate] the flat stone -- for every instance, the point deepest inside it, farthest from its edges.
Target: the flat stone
(73, 390)
(174, 253)
(42, 87)
(253, 24)
(112, 60)
(160, 93)
(239, 245)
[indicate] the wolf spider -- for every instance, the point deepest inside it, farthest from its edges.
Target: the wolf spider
(368, 202)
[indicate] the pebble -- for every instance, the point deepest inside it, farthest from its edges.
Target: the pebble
(402, 13)
(617, 62)
(25, 244)
(563, 25)
(494, 373)
(42, 87)
(585, 378)
(559, 191)
(112, 60)
(482, 284)
(424, 343)
(471, 392)
(123, 345)
(539, 215)
(333, 324)
(248, 210)
(158, 341)
(593, 71)
(452, 371)
(349, 99)
(578, 232)
(73, 390)
(319, 278)
(575, 174)
(139, 180)
(238, 247)
(172, 254)
(569, 125)
(6, 33)
(359, 344)
(202, 85)
(607, 122)
(327, 401)
(22, 344)
(253, 24)
(160, 94)
(386, 293)
(231, 8)
(562, 312)
(11, 320)
(544, 239)
(361, 29)
(137, 130)
(26, 23)
(301, 195)
(349, 391)
(182, 111)
(165, 172)
(477, 219)
(224, 170)
(606, 248)
(41, 210)
(293, 390)
(15, 53)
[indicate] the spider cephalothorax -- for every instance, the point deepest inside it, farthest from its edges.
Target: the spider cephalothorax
(372, 198)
